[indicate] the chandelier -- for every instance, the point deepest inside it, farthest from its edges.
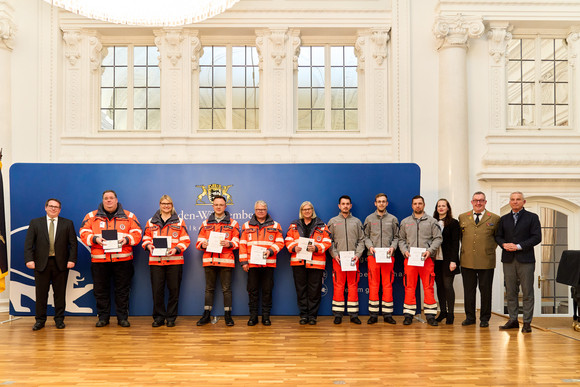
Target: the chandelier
(146, 12)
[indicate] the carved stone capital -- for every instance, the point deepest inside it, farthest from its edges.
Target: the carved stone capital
(296, 41)
(359, 51)
(260, 47)
(379, 38)
(196, 52)
(278, 39)
(455, 30)
(72, 45)
(7, 26)
(573, 40)
(168, 41)
(96, 52)
(499, 35)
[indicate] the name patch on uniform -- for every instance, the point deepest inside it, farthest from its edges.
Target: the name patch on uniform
(271, 237)
(102, 225)
(122, 226)
(175, 235)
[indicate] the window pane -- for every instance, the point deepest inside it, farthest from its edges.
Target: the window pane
(239, 118)
(514, 115)
(252, 76)
(252, 98)
(121, 119)
(337, 98)
(350, 77)
(548, 115)
(547, 93)
(528, 49)
(337, 77)
(514, 71)
(205, 59)
(318, 120)
(219, 56)
(304, 56)
(140, 119)
(153, 77)
(153, 119)
(547, 48)
(351, 118)
(205, 98)
(318, 77)
(337, 122)
(514, 93)
(140, 76)
(529, 118)
(304, 98)
(318, 56)
(121, 56)
(120, 76)
(562, 113)
(140, 98)
(529, 93)
(107, 77)
(106, 119)
(252, 118)
(513, 48)
(154, 98)
(239, 98)
(252, 56)
(152, 56)
(140, 56)
(109, 56)
(238, 76)
(336, 56)
(205, 118)
(219, 76)
(562, 71)
(561, 49)
(303, 77)
(238, 56)
(528, 71)
(351, 98)
(219, 119)
(304, 117)
(349, 56)
(121, 98)
(205, 77)
(318, 98)
(107, 98)
(219, 98)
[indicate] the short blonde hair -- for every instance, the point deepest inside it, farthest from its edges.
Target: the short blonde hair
(168, 198)
(302, 206)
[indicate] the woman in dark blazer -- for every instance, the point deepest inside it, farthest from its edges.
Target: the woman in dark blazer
(447, 260)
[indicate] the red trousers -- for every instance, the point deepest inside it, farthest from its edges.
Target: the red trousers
(339, 280)
(380, 273)
(427, 275)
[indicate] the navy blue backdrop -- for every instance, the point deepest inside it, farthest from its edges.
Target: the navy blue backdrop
(139, 186)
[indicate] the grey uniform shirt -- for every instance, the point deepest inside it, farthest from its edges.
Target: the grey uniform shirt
(423, 232)
(347, 235)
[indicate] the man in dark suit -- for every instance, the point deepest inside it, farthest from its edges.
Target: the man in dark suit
(478, 246)
(50, 249)
(517, 234)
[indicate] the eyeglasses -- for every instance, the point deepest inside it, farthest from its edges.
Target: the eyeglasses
(478, 201)
(53, 207)
(261, 209)
(166, 204)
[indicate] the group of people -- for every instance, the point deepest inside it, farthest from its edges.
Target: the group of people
(430, 247)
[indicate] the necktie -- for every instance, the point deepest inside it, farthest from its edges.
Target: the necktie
(516, 215)
(51, 238)
(477, 218)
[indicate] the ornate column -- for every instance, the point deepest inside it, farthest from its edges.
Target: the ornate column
(175, 54)
(83, 54)
(452, 33)
(7, 31)
(278, 51)
(573, 41)
(371, 51)
(498, 36)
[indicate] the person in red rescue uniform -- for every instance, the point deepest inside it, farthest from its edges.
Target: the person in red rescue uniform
(218, 264)
(381, 231)
(111, 267)
(166, 270)
(262, 231)
(308, 273)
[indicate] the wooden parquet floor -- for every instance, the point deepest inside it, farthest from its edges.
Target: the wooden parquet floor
(283, 354)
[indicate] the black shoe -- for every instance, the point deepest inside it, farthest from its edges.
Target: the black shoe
(60, 324)
(527, 328)
(355, 320)
(432, 321)
(467, 322)
(449, 320)
(441, 317)
(312, 321)
(170, 324)
(205, 318)
(252, 321)
(303, 320)
(228, 318)
(124, 323)
(338, 319)
(102, 323)
(484, 324)
(38, 326)
(511, 324)
(408, 320)
(266, 320)
(158, 323)
(389, 320)
(372, 320)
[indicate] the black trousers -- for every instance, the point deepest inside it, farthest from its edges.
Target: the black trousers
(120, 274)
(260, 278)
(308, 283)
(211, 275)
(43, 279)
(445, 291)
(162, 276)
(471, 279)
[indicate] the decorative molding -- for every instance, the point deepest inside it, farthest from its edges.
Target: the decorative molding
(7, 26)
(296, 41)
(196, 52)
(455, 30)
(499, 35)
(72, 45)
(359, 51)
(573, 40)
(532, 158)
(260, 47)
(168, 41)
(379, 37)
(96, 52)
(278, 38)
